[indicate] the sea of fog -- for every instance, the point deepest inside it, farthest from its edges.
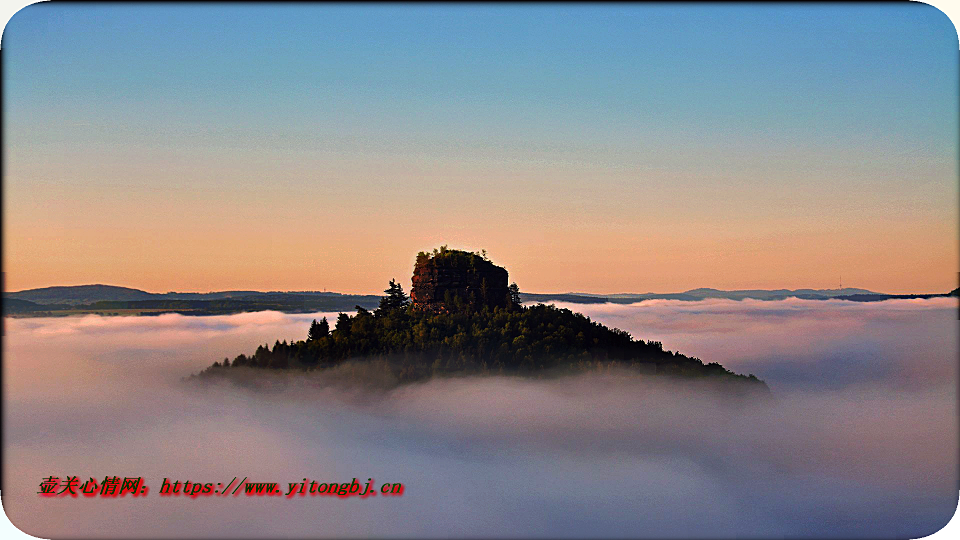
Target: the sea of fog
(860, 438)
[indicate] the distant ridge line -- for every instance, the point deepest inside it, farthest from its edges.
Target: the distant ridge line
(79, 295)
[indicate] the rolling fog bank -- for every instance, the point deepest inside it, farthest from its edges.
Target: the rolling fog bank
(860, 438)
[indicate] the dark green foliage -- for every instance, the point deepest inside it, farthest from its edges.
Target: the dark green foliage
(514, 293)
(453, 258)
(318, 329)
(343, 326)
(285, 302)
(395, 298)
(423, 343)
(14, 305)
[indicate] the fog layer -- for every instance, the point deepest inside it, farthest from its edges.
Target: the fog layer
(860, 438)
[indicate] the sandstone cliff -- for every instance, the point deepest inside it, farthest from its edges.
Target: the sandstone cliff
(442, 277)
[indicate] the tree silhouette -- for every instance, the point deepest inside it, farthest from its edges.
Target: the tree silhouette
(343, 325)
(416, 344)
(395, 298)
(318, 329)
(514, 293)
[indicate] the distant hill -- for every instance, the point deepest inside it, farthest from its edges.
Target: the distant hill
(563, 297)
(776, 294)
(79, 294)
(879, 297)
(15, 305)
(88, 294)
(111, 299)
(697, 294)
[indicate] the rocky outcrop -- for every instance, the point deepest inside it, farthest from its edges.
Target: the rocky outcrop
(448, 276)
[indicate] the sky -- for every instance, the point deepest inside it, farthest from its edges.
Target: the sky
(586, 148)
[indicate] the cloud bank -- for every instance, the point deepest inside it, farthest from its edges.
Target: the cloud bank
(859, 440)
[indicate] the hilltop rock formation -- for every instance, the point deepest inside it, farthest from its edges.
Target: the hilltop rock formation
(465, 320)
(449, 276)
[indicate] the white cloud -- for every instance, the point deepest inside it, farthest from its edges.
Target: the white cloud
(595, 455)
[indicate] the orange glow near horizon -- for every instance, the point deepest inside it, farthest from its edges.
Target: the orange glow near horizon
(218, 238)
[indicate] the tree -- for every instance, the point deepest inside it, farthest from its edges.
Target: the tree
(462, 340)
(514, 293)
(343, 325)
(395, 298)
(324, 328)
(318, 329)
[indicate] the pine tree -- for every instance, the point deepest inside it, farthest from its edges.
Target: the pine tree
(395, 298)
(324, 328)
(318, 330)
(343, 325)
(514, 293)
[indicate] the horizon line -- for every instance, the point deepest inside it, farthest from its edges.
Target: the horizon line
(329, 291)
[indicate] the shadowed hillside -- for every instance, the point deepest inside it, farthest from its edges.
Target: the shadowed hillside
(470, 331)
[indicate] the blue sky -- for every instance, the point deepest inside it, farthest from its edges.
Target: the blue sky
(536, 69)
(767, 104)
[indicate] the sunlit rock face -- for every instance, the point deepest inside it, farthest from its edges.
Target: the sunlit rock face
(447, 277)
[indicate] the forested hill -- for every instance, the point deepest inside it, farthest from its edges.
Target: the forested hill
(81, 294)
(88, 294)
(408, 344)
(701, 294)
(469, 331)
(109, 300)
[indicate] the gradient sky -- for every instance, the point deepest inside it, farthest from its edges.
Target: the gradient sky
(603, 148)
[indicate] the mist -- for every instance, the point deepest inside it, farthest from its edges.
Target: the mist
(859, 438)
